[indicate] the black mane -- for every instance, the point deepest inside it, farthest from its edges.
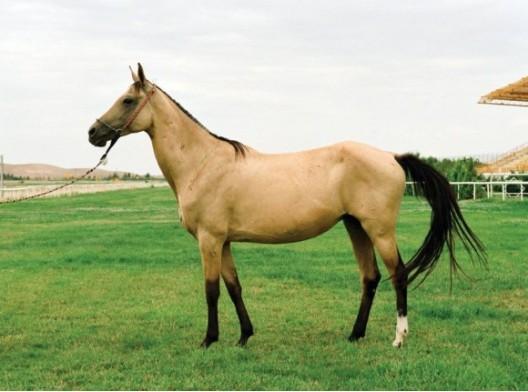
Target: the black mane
(240, 148)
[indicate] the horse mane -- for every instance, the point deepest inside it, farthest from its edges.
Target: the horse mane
(240, 148)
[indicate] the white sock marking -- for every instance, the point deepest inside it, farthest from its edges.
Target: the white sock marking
(402, 329)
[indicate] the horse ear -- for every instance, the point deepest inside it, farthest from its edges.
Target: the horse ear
(141, 74)
(135, 78)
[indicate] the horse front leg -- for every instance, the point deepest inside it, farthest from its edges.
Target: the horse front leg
(211, 253)
(229, 274)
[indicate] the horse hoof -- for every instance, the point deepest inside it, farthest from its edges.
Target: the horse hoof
(243, 339)
(242, 342)
(397, 343)
(354, 337)
(207, 342)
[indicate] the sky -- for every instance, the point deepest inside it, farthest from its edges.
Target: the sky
(404, 76)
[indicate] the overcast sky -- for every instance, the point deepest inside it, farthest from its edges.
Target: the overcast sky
(276, 75)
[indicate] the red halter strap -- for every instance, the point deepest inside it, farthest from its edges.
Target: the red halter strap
(135, 113)
(130, 120)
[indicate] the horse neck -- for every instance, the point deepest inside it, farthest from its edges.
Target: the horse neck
(180, 144)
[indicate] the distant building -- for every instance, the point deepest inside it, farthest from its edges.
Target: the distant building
(514, 161)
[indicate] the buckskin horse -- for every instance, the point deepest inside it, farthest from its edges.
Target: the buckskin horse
(229, 192)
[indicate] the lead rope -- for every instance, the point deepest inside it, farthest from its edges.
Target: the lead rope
(118, 132)
(101, 161)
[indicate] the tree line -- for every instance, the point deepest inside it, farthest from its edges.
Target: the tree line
(460, 169)
(465, 170)
(456, 170)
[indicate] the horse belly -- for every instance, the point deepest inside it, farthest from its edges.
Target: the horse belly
(279, 221)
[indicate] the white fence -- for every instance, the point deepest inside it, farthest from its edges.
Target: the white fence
(489, 189)
(16, 192)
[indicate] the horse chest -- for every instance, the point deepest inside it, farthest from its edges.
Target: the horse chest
(180, 216)
(184, 219)
(187, 218)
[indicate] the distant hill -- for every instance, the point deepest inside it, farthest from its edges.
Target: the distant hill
(40, 171)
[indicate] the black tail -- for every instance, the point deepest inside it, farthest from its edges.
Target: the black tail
(446, 220)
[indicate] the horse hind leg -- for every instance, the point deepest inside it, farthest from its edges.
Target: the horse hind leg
(369, 273)
(388, 251)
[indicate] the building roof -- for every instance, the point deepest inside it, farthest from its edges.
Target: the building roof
(514, 94)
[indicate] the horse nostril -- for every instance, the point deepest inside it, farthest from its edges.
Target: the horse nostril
(91, 132)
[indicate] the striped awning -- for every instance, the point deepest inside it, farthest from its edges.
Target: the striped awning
(515, 94)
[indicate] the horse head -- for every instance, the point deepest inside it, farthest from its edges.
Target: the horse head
(129, 113)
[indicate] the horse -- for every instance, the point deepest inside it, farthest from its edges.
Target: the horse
(229, 192)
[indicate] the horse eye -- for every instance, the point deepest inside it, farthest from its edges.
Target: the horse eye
(128, 101)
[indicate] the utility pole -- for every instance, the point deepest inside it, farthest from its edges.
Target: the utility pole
(1, 176)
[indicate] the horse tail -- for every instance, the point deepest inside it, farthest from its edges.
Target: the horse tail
(446, 220)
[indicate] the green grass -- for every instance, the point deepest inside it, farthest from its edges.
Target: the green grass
(104, 291)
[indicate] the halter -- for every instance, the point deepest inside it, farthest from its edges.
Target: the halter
(118, 132)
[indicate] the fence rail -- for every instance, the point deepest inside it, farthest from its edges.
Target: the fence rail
(504, 189)
(475, 189)
(16, 192)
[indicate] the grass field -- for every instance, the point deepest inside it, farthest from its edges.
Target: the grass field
(104, 291)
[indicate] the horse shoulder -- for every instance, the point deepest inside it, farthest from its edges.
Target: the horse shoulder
(204, 206)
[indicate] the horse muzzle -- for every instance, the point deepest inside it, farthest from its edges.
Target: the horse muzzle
(100, 135)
